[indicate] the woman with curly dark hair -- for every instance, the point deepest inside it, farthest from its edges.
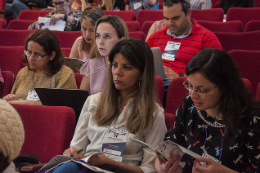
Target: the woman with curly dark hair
(44, 68)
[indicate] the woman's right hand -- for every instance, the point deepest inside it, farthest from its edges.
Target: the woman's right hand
(10, 97)
(72, 152)
(171, 166)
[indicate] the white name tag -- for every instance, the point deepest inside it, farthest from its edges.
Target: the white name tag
(113, 144)
(32, 95)
(171, 50)
(137, 5)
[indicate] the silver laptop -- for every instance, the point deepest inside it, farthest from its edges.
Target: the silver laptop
(158, 62)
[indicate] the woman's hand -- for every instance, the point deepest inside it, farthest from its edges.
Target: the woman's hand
(56, 17)
(211, 166)
(101, 159)
(72, 152)
(171, 166)
(10, 97)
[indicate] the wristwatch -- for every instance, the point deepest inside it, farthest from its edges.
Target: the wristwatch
(181, 74)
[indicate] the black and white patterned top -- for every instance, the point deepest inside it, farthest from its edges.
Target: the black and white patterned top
(190, 131)
(74, 26)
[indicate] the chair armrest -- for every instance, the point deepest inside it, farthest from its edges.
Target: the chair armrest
(32, 168)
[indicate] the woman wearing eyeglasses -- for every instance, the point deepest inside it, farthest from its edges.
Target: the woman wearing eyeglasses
(218, 119)
(44, 68)
(62, 12)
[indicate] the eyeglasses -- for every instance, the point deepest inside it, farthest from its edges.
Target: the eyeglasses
(30, 54)
(58, 3)
(187, 85)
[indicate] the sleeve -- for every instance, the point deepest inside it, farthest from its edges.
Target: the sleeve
(253, 144)
(176, 133)
(66, 79)
(76, 21)
(85, 69)
(210, 40)
(154, 137)
(80, 139)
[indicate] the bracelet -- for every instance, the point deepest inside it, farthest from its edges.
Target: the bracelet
(65, 17)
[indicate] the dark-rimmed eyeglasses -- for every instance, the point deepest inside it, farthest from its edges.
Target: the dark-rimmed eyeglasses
(58, 3)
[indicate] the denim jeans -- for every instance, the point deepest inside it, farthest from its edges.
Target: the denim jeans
(15, 8)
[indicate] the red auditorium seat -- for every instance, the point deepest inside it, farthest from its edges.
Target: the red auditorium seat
(243, 14)
(257, 3)
(32, 14)
(149, 15)
(215, 3)
(3, 23)
(2, 9)
(248, 64)
(66, 51)
(93, 4)
(253, 25)
(232, 26)
(159, 87)
(8, 83)
(132, 26)
(146, 26)
(18, 37)
(242, 40)
(168, 120)
(48, 129)
(20, 24)
(137, 34)
(176, 93)
(11, 58)
(258, 92)
(125, 15)
(78, 78)
(214, 14)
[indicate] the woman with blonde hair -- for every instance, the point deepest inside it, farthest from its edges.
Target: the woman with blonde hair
(83, 44)
(112, 5)
(126, 108)
(108, 31)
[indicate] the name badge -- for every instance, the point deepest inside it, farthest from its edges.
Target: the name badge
(32, 95)
(171, 50)
(113, 144)
(206, 155)
(137, 5)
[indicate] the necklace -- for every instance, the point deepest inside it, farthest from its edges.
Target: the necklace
(215, 124)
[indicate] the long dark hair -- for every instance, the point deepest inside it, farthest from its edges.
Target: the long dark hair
(49, 41)
(144, 109)
(3, 162)
(218, 67)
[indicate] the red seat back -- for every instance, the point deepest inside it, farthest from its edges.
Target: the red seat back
(2, 9)
(243, 14)
(32, 14)
(242, 40)
(3, 23)
(215, 3)
(248, 64)
(67, 38)
(149, 15)
(8, 83)
(232, 26)
(48, 129)
(253, 25)
(159, 88)
(11, 58)
(214, 14)
(125, 15)
(19, 24)
(78, 78)
(66, 51)
(14, 37)
(132, 26)
(137, 34)
(146, 26)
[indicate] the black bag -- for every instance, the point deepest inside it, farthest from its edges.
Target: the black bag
(25, 160)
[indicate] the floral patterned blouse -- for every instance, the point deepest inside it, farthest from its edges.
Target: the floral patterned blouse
(191, 131)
